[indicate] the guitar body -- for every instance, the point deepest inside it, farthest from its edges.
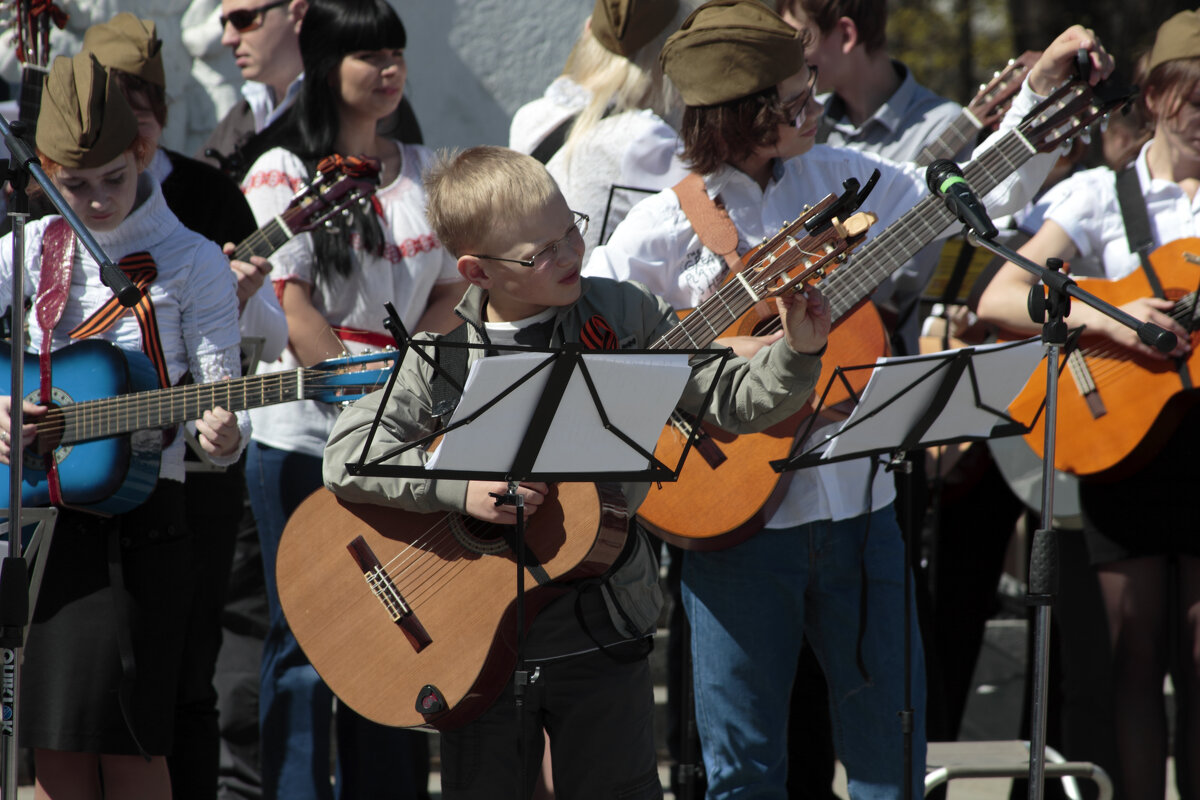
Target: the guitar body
(726, 490)
(106, 476)
(1138, 401)
(458, 579)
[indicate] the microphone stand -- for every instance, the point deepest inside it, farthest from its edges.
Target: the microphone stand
(1051, 309)
(14, 570)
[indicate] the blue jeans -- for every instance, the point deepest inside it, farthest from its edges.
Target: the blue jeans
(749, 607)
(295, 706)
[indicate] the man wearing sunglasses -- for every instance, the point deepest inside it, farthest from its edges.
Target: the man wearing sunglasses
(265, 40)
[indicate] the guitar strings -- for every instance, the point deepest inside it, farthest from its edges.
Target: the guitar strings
(111, 416)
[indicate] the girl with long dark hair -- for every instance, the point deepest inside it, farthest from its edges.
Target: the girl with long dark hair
(332, 284)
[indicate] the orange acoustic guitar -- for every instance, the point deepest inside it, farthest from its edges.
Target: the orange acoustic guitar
(410, 618)
(1116, 408)
(709, 507)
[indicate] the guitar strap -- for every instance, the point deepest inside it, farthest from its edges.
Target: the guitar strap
(54, 285)
(1141, 241)
(554, 141)
(1137, 224)
(709, 219)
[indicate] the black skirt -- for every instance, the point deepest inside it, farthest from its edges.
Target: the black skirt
(102, 659)
(1153, 510)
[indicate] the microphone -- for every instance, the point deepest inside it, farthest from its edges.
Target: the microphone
(946, 180)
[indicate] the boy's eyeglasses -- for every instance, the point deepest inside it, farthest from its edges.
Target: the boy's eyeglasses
(548, 253)
(249, 19)
(797, 116)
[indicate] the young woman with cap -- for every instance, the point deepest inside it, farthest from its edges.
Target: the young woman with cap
(1139, 530)
(332, 284)
(829, 561)
(105, 645)
(605, 128)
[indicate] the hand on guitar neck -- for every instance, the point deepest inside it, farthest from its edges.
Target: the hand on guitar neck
(28, 429)
(250, 274)
(483, 505)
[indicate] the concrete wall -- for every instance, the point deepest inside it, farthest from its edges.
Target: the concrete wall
(471, 63)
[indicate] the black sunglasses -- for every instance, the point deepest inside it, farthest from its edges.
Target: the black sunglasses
(249, 19)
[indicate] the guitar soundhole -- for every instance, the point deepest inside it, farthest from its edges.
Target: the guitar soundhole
(478, 537)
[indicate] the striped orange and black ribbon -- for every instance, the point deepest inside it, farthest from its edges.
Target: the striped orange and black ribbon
(141, 269)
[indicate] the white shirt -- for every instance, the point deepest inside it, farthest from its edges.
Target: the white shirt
(1086, 207)
(194, 297)
(634, 149)
(262, 316)
(413, 261)
(657, 246)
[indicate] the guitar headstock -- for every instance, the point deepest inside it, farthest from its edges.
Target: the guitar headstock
(991, 103)
(1070, 109)
(339, 183)
(793, 256)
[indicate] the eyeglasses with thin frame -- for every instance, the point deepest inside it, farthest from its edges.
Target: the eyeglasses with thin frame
(796, 119)
(549, 253)
(245, 20)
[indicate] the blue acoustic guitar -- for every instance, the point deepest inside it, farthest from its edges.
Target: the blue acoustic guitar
(105, 423)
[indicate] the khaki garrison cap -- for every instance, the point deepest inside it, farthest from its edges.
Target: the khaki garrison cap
(84, 121)
(128, 44)
(1178, 37)
(729, 49)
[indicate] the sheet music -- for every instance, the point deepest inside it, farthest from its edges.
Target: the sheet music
(1001, 371)
(638, 393)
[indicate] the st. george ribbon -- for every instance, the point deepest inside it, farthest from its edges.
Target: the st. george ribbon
(946, 180)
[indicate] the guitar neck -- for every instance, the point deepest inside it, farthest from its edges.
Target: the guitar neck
(163, 408)
(953, 139)
(264, 241)
(890, 250)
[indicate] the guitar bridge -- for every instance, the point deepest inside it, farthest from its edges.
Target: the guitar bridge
(386, 591)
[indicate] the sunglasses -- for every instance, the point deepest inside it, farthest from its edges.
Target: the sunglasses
(249, 19)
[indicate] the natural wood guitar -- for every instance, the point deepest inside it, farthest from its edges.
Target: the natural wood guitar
(411, 618)
(711, 506)
(1116, 408)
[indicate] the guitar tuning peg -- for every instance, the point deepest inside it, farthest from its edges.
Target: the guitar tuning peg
(331, 228)
(346, 213)
(363, 202)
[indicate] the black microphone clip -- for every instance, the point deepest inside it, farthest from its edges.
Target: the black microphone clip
(946, 180)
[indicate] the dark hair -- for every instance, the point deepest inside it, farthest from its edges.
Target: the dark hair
(732, 131)
(869, 16)
(141, 93)
(1170, 83)
(331, 30)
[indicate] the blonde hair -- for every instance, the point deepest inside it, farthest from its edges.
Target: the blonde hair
(483, 190)
(618, 84)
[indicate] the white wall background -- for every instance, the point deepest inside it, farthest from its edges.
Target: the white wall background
(471, 63)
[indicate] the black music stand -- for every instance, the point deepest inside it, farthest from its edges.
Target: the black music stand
(547, 383)
(918, 402)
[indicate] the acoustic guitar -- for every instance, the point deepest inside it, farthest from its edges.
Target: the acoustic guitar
(410, 618)
(694, 512)
(104, 424)
(1116, 408)
(107, 406)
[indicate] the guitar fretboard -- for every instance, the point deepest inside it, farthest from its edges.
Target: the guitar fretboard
(919, 226)
(113, 416)
(265, 241)
(952, 140)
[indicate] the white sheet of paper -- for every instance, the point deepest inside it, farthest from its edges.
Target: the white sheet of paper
(1001, 371)
(637, 392)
